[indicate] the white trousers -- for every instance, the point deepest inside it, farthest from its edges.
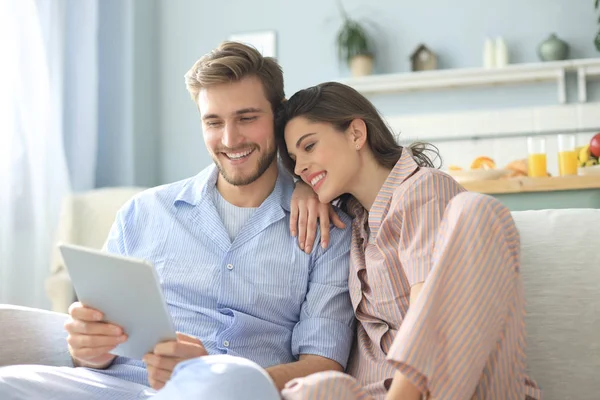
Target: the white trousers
(218, 377)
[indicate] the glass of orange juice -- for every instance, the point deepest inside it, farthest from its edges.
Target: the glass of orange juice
(537, 165)
(567, 155)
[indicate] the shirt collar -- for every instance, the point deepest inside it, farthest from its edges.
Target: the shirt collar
(404, 168)
(198, 187)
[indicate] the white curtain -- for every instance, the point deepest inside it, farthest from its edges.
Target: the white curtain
(33, 170)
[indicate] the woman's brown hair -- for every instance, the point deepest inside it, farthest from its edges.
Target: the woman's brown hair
(338, 105)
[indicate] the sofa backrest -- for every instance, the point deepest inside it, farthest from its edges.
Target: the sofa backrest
(85, 220)
(560, 265)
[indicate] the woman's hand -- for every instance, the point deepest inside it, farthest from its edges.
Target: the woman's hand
(306, 211)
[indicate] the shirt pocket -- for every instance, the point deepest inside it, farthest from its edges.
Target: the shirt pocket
(282, 282)
(186, 281)
(289, 284)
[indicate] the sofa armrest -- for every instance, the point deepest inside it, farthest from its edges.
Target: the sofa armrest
(33, 336)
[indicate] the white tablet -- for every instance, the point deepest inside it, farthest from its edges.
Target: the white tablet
(127, 291)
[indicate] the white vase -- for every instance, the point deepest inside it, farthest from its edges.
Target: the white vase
(361, 65)
(489, 54)
(501, 53)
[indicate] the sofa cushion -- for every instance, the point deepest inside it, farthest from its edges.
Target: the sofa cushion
(33, 336)
(561, 273)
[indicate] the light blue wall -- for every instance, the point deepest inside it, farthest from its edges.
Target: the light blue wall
(115, 94)
(128, 101)
(305, 32)
(145, 75)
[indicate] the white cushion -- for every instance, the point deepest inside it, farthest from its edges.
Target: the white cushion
(86, 219)
(561, 272)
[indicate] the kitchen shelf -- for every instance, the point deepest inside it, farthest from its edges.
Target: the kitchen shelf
(552, 71)
(525, 184)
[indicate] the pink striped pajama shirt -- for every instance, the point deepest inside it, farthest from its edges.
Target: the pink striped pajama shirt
(464, 337)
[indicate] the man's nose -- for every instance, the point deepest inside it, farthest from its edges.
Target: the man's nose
(231, 136)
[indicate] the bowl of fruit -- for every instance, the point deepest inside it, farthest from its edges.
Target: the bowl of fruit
(481, 169)
(588, 157)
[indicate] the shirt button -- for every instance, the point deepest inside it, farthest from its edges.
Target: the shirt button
(229, 267)
(225, 343)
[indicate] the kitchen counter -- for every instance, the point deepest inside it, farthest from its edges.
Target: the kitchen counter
(526, 184)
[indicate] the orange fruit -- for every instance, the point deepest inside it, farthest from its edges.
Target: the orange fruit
(454, 168)
(483, 163)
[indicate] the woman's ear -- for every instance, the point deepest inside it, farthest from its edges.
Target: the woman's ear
(358, 133)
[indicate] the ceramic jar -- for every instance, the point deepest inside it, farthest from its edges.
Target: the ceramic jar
(553, 49)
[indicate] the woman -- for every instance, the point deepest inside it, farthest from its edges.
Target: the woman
(435, 277)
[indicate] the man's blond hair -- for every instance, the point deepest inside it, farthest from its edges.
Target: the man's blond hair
(231, 62)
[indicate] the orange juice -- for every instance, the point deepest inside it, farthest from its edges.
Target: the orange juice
(537, 165)
(567, 163)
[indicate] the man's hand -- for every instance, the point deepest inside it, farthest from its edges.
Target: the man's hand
(90, 339)
(305, 211)
(167, 355)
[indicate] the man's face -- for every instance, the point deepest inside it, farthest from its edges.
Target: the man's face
(237, 121)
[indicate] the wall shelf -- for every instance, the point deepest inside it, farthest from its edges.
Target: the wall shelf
(525, 185)
(554, 71)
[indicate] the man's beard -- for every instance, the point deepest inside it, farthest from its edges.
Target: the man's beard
(264, 162)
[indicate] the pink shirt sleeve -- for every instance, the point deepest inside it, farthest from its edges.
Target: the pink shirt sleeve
(419, 210)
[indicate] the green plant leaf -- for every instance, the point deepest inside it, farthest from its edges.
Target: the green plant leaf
(597, 41)
(352, 40)
(596, 4)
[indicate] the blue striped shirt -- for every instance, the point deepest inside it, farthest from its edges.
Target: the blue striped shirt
(259, 297)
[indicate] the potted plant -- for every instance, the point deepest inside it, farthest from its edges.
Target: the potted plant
(354, 47)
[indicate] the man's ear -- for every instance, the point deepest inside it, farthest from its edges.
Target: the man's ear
(358, 132)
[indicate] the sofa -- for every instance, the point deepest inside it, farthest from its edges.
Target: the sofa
(85, 220)
(561, 274)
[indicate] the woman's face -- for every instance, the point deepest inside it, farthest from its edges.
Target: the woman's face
(325, 158)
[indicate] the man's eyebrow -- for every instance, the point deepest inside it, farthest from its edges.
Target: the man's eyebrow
(304, 137)
(242, 111)
(248, 110)
(209, 116)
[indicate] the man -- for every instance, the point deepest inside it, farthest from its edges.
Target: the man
(235, 280)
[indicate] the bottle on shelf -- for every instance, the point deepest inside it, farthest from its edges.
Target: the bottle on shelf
(489, 54)
(501, 51)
